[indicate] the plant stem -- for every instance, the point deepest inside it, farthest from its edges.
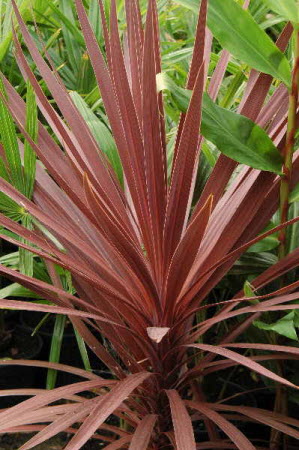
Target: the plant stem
(289, 148)
(281, 394)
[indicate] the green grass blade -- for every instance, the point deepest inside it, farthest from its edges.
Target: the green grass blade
(26, 257)
(83, 350)
(16, 290)
(55, 350)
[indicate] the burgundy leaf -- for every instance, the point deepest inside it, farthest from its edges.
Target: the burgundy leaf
(104, 407)
(142, 435)
(236, 436)
(244, 361)
(183, 431)
(184, 164)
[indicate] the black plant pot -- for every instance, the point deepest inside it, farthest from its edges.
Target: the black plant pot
(22, 346)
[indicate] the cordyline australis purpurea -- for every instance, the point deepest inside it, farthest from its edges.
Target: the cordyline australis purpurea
(142, 260)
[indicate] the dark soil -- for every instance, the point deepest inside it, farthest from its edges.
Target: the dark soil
(22, 345)
(14, 442)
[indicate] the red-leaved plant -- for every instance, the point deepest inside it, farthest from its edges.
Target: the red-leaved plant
(143, 260)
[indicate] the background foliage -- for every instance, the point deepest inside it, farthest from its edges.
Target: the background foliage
(55, 30)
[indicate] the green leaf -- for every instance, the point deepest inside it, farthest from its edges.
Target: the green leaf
(7, 18)
(294, 197)
(234, 135)
(232, 89)
(9, 141)
(83, 350)
(7, 206)
(265, 245)
(239, 138)
(284, 326)
(16, 290)
(190, 4)
(249, 292)
(237, 31)
(32, 130)
(180, 96)
(72, 36)
(26, 257)
(253, 263)
(296, 318)
(288, 9)
(65, 15)
(40, 323)
(95, 18)
(9, 259)
(293, 234)
(101, 134)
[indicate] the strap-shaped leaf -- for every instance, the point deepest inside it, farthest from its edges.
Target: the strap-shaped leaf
(244, 361)
(185, 254)
(237, 31)
(154, 152)
(289, 9)
(184, 164)
(184, 436)
(61, 423)
(106, 406)
(236, 436)
(143, 432)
